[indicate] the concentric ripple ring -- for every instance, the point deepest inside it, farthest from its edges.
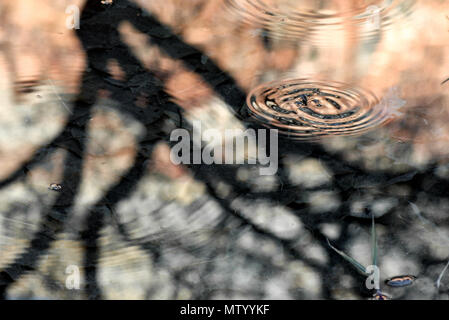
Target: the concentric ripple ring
(313, 20)
(308, 110)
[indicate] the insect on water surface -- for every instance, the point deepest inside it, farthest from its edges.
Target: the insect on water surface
(55, 187)
(381, 296)
(400, 281)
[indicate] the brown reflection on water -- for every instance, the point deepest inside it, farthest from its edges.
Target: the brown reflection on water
(42, 62)
(37, 45)
(408, 54)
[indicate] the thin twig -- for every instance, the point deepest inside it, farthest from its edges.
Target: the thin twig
(438, 282)
(59, 97)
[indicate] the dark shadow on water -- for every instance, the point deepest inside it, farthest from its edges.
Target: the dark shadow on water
(101, 42)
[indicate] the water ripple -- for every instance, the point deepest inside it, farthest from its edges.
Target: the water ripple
(317, 21)
(309, 110)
